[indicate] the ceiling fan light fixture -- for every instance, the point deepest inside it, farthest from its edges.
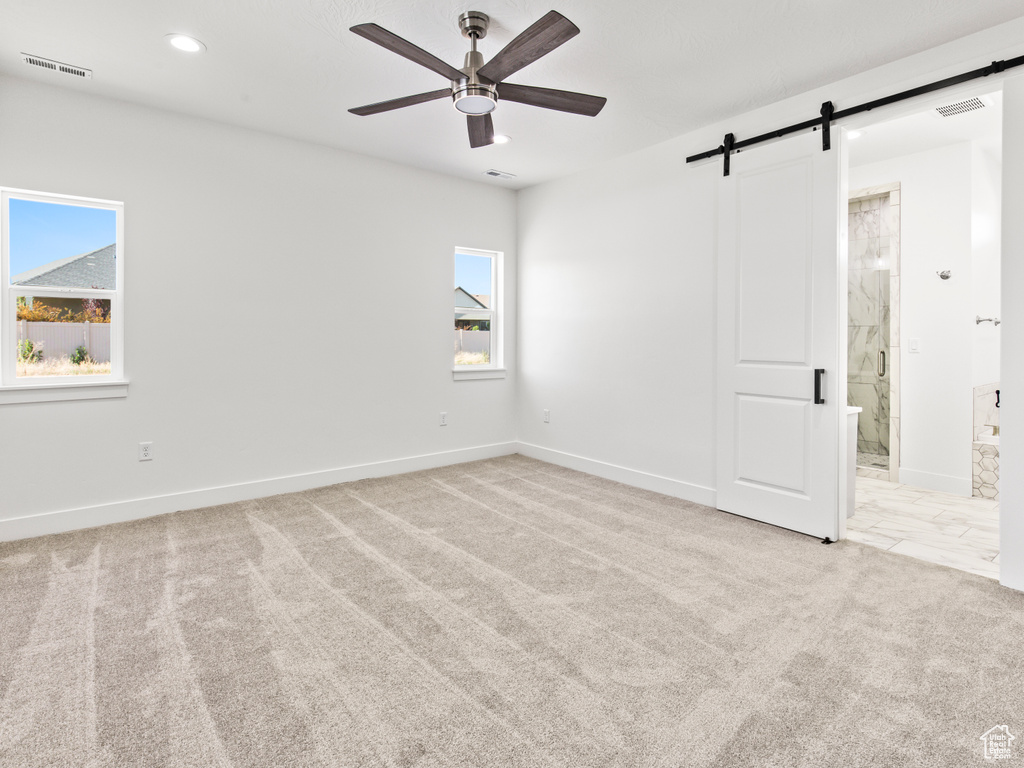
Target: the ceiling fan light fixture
(475, 99)
(474, 88)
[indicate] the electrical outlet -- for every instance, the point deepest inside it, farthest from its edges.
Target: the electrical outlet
(547, 416)
(444, 419)
(145, 451)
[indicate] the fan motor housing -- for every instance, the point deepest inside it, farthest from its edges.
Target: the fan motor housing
(473, 96)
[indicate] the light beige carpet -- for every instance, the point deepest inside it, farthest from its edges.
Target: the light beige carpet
(500, 613)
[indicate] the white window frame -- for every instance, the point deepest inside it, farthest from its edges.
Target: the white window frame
(56, 388)
(496, 368)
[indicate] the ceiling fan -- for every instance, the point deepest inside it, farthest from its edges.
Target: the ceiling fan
(476, 88)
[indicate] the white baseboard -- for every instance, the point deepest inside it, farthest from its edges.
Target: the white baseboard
(134, 509)
(66, 520)
(677, 488)
(960, 486)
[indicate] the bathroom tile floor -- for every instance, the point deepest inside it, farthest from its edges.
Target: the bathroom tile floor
(955, 531)
(874, 460)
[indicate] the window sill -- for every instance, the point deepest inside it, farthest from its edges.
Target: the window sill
(50, 393)
(466, 374)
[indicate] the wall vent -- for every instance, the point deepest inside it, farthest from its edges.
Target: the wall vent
(499, 174)
(961, 107)
(56, 66)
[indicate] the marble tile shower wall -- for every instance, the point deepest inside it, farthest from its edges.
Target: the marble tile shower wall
(867, 307)
(986, 412)
(873, 325)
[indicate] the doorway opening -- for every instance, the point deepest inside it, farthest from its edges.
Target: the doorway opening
(923, 361)
(873, 340)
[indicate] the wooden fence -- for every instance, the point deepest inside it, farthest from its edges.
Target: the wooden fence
(472, 341)
(62, 339)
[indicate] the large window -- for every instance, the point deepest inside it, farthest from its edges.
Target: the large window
(61, 307)
(477, 313)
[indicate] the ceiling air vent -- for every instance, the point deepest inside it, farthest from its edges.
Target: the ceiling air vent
(499, 174)
(961, 107)
(56, 66)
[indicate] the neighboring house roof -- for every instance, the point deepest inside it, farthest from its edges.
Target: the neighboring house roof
(97, 269)
(468, 300)
(483, 298)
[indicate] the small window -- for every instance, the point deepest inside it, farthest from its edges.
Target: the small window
(61, 309)
(477, 311)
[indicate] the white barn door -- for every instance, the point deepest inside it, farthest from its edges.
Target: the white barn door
(779, 305)
(1011, 411)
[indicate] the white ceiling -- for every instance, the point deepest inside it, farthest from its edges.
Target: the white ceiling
(291, 67)
(927, 129)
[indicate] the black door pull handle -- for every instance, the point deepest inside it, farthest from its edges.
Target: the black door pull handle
(818, 373)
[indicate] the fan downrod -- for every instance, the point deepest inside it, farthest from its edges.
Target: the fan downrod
(474, 24)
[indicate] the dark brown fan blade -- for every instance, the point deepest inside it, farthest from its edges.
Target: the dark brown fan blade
(481, 130)
(539, 39)
(549, 98)
(394, 43)
(405, 101)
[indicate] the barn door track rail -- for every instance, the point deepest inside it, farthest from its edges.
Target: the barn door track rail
(830, 114)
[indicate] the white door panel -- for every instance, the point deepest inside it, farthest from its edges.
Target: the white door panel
(772, 310)
(775, 451)
(779, 313)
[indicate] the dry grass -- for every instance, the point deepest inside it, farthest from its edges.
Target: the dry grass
(472, 358)
(63, 366)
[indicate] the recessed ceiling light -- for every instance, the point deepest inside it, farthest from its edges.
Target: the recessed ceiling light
(854, 134)
(500, 138)
(185, 43)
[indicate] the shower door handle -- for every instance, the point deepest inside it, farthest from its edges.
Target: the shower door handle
(881, 362)
(818, 373)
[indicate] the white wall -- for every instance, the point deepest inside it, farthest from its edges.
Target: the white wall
(986, 220)
(936, 385)
(616, 291)
(617, 316)
(630, 244)
(223, 227)
(617, 300)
